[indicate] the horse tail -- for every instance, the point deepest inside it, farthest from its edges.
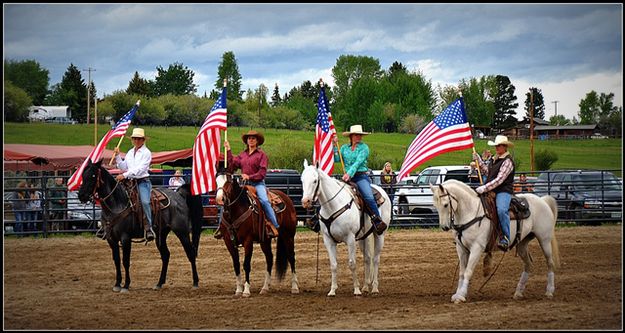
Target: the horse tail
(553, 205)
(281, 255)
(286, 236)
(196, 212)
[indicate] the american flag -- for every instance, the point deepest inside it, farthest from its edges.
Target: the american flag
(206, 148)
(449, 131)
(118, 130)
(324, 133)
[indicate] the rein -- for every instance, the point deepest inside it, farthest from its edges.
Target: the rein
(462, 227)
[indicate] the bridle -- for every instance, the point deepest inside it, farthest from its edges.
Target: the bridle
(95, 195)
(229, 180)
(459, 228)
(316, 191)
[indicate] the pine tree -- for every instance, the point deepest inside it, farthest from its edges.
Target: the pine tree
(228, 69)
(275, 98)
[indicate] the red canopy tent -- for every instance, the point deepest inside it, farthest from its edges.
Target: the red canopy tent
(30, 157)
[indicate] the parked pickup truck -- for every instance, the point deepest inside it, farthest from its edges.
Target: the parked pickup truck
(417, 199)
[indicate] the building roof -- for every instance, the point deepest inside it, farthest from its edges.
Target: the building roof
(565, 127)
(57, 157)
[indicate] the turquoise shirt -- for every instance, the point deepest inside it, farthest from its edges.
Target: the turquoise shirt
(356, 160)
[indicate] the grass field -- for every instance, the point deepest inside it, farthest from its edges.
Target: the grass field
(572, 154)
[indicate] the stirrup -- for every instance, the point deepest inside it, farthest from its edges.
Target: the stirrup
(149, 235)
(380, 227)
(313, 224)
(217, 234)
(503, 243)
(273, 231)
(101, 233)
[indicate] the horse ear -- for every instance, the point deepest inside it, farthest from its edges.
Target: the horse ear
(305, 163)
(99, 162)
(317, 164)
(440, 187)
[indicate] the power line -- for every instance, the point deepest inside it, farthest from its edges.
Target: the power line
(89, 91)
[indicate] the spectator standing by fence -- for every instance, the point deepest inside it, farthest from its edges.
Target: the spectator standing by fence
(388, 179)
(523, 186)
(34, 208)
(20, 205)
(58, 204)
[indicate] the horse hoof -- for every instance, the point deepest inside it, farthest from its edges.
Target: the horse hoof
(375, 293)
(331, 294)
(117, 288)
(124, 291)
(264, 291)
(196, 287)
(236, 295)
(245, 295)
(157, 287)
(549, 295)
(294, 291)
(518, 295)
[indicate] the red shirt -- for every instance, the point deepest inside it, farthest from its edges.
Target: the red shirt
(253, 165)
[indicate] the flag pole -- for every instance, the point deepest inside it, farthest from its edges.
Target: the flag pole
(335, 142)
(225, 139)
(120, 142)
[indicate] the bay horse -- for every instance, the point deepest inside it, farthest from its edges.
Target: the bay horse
(460, 210)
(337, 205)
(182, 215)
(242, 225)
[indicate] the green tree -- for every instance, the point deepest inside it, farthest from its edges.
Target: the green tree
(176, 80)
(589, 109)
(349, 68)
(275, 98)
(139, 86)
(538, 104)
(16, 103)
(559, 120)
(229, 69)
(478, 102)
(396, 68)
(29, 76)
(504, 103)
(72, 91)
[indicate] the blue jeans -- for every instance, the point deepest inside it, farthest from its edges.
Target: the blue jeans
(502, 200)
(19, 218)
(261, 193)
(145, 188)
(364, 187)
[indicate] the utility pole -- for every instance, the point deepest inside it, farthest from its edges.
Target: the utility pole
(532, 130)
(556, 105)
(89, 94)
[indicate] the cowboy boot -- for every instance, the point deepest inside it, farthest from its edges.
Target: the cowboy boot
(149, 233)
(380, 226)
(503, 243)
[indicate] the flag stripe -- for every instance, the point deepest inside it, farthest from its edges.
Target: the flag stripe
(448, 132)
(324, 133)
(118, 130)
(206, 148)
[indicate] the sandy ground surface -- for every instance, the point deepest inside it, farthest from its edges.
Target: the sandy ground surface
(66, 283)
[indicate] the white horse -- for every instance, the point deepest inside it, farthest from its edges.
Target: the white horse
(337, 204)
(460, 209)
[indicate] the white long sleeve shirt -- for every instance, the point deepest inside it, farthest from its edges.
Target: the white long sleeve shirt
(136, 164)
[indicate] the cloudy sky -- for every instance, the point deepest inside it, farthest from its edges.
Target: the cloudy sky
(566, 50)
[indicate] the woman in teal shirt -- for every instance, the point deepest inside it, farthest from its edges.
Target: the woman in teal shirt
(355, 156)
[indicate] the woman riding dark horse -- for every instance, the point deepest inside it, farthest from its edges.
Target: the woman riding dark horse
(176, 210)
(242, 224)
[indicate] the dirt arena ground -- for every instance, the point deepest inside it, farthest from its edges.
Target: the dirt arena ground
(65, 283)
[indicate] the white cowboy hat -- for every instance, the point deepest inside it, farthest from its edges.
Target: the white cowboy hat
(501, 140)
(138, 133)
(355, 129)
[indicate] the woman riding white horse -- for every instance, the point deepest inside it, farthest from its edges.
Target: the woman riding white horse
(338, 209)
(460, 209)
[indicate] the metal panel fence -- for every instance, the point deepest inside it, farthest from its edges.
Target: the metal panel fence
(584, 197)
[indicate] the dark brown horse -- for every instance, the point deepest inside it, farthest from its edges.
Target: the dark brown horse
(241, 225)
(182, 215)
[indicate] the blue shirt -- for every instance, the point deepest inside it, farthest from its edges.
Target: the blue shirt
(355, 160)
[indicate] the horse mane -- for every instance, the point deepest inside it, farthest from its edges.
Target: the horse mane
(461, 186)
(118, 196)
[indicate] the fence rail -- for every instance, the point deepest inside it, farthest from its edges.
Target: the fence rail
(45, 216)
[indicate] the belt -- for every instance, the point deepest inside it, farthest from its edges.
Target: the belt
(144, 179)
(359, 173)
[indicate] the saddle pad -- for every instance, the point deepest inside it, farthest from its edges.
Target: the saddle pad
(276, 201)
(377, 196)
